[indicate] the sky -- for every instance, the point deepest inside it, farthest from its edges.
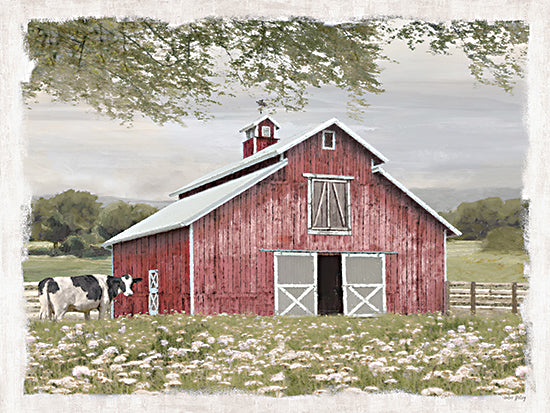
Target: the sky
(438, 128)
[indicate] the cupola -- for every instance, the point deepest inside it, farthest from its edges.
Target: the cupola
(259, 135)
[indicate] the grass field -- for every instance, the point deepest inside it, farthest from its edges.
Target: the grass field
(466, 262)
(37, 267)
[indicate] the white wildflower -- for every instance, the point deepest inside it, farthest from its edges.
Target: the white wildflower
(81, 371)
(127, 380)
(278, 377)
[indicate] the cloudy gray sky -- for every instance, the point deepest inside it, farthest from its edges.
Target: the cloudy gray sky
(437, 127)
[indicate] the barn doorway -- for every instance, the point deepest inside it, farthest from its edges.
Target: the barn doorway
(329, 285)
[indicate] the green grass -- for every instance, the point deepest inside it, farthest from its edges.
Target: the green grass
(37, 267)
(467, 262)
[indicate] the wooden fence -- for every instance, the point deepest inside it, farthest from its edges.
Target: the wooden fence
(31, 297)
(491, 296)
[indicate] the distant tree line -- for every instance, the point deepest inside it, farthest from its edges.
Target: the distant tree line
(498, 223)
(76, 223)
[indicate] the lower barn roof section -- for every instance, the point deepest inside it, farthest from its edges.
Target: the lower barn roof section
(187, 210)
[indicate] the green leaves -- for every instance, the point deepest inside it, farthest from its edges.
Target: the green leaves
(497, 51)
(118, 216)
(124, 68)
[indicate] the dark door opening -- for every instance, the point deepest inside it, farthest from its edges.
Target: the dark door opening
(329, 284)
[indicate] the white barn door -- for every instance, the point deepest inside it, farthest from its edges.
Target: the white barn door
(364, 284)
(153, 292)
(295, 283)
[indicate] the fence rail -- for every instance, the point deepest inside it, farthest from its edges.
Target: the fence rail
(473, 295)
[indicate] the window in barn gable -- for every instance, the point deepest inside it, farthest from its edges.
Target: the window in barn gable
(329, 139)
(266, 131)
(329, 209)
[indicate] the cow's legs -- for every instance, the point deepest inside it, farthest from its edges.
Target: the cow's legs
(87, 315)
(59, 313)
(101, 314)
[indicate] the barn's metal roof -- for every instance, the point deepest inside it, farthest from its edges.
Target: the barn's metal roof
(187, 210)
(415, 198)
(272, 151)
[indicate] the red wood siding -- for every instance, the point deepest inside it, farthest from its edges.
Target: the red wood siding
(232, 275)
(261, 141)
(168, 253)
(248, 148)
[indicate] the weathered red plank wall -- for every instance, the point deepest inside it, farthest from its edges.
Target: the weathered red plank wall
(167, 252)
(232, 275)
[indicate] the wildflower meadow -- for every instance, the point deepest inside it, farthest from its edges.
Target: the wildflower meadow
(279, 356)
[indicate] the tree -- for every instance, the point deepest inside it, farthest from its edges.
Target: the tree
(55, 229)
(476, 219)
(118, 216)
(70, 212)
(504, 239)
(123, 68)
(497, 51)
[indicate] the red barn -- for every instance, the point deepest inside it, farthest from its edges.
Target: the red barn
(310, 225)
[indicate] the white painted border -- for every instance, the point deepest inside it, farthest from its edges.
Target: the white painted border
(191, 272)
(445, 254)
(276, 284)
(150, 293)
(269, 133)
(332, 134)
(382, 257)
(334, 178)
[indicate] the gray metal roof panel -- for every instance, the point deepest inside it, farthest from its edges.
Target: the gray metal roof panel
(187, 210)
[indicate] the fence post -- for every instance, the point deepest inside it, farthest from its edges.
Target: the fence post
(473, 297)
(446, 304)
(514, 298)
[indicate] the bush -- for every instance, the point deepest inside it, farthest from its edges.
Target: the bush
(39, 251)
(504, 239)
(74, 245)
(92, 251)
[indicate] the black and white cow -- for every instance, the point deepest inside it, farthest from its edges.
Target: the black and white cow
(82, 293)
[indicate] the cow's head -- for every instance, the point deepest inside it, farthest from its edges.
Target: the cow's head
(122, 285)
(127, 282)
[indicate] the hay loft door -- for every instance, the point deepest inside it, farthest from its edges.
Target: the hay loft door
(364, 284)
(295, 283)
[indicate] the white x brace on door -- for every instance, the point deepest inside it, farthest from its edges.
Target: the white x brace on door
(364, 284)
(295, 283)
(153, 292)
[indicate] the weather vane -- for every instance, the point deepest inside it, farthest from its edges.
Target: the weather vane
(261, 105)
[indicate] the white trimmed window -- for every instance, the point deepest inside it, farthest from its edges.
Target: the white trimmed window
(329, 204)
(329, 139)
(266, 131)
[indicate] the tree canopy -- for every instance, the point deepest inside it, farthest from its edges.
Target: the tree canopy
(477, 219)
(167, 73)
(118, 216)
(70, 212)
(76, 218)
